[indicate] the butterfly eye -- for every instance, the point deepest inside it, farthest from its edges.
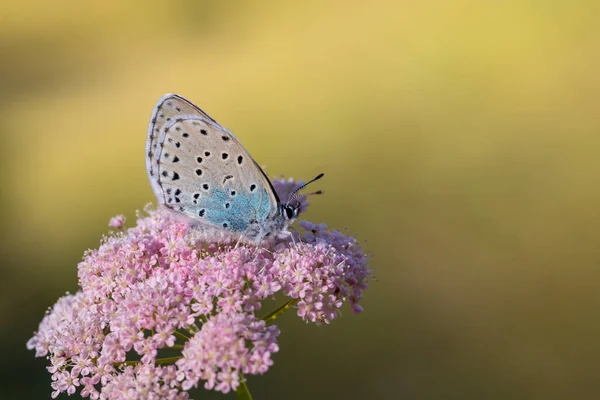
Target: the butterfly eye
(290, 211)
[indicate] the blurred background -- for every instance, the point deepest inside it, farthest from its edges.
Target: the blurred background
(460, 142)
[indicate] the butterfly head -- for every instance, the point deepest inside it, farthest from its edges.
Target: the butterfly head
(290, 211)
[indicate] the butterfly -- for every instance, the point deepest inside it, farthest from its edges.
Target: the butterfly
(200, 170)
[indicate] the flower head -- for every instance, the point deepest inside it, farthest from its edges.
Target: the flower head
(148, 290)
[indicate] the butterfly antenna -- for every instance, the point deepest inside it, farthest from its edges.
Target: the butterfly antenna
(294, 194)
(315, 192)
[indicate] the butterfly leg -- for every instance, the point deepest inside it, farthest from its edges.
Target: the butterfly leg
(238, 241)
(292, 236)
(265, 249)
(293, 228)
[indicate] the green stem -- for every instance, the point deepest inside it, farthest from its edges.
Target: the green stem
(182, 336)
(125, 363)
(279, 310)
(166, 360)
(243, 393)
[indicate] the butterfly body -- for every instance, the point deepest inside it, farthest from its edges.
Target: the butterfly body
(200, 170)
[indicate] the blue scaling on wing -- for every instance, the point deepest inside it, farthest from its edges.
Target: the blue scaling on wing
(222, 208)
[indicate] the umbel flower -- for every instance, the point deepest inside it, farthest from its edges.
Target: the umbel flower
(157, 315)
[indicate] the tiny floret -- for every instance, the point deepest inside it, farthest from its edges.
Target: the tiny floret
(117, 222)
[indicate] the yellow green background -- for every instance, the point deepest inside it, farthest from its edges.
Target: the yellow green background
(460, 143)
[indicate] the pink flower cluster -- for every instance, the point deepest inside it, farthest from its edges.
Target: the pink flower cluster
(230, 344)
(157, 314)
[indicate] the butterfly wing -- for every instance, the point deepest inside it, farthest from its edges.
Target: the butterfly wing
(200, 169)
(168, 107)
